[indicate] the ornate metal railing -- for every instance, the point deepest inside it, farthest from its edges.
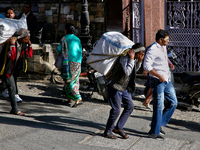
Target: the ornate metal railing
(183, 21)
(128, 31)
(138, 23)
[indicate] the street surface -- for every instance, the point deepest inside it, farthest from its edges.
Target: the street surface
(50, 123)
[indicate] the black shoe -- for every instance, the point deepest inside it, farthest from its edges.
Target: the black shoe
(157, 137)
(162, 132)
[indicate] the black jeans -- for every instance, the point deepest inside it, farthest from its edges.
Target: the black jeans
(15, 78)
(11, 86)
(16, 75)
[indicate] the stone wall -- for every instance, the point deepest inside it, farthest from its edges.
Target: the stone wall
(47, 15)
(43, 58)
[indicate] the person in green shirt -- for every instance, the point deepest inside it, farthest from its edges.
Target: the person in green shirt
(71, 50)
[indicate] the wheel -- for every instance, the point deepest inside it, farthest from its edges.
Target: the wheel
(55, 78)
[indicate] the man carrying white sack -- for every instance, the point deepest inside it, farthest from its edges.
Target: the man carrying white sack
(9, 26)
(9, 13)
(121, 84)
(13, 56)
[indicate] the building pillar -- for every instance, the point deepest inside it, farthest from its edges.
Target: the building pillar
(154, 19)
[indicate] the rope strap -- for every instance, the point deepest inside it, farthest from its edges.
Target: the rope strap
(112, 56)
(5, 58)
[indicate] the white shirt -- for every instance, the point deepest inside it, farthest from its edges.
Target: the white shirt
(156, 58)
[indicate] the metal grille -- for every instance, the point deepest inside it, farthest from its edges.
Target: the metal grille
(138, 26)
(127, 31)
(183, 21)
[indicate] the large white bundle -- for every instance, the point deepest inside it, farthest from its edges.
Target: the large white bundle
(107, 50)
(9, 26)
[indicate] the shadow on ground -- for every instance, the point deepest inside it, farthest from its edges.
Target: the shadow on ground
(62, 123)
(190, 125)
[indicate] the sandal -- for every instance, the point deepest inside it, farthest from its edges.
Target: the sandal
(69, 100)
(77, 104)
(109, 135)
(18, 113)
(121, 133)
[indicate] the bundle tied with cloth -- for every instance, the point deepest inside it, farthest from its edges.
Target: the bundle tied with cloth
(106, 52)
(8, 28)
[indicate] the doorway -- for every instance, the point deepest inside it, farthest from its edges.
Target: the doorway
(114, 15)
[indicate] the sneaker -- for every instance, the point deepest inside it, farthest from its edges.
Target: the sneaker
(162, 132)
(157, 137)
(17, 98)
(5, 93)
(141, 96)
(147, 106)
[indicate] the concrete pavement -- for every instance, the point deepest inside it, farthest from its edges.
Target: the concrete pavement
(50, 123)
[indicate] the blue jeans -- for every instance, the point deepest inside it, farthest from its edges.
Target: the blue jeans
(162, 116)
(115, 100)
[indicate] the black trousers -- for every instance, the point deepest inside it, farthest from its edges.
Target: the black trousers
(15, 75)
(115, 100)
(11, 86)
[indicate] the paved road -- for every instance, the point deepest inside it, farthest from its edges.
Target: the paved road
(50, 123)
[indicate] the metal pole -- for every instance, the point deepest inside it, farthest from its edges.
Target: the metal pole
(58, 22)
(85, 30)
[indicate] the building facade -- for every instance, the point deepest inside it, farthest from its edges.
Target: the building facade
(53, 22)
(137, 19)
(180, 17)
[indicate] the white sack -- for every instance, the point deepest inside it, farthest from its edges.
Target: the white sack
(9, 26)
(110, 43)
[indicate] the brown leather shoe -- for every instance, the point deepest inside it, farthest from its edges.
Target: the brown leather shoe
(121, 133)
